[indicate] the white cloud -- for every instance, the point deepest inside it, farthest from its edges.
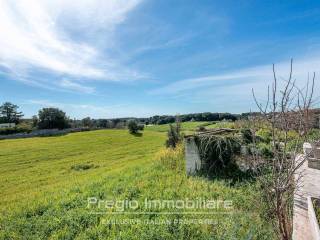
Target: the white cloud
(34, 36)
(93, 13)
(171, 43)
(258, 76)
(66, 84)
(234, 90)
(94, 111)
(79, 110)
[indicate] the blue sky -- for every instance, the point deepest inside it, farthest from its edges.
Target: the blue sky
(139, 58)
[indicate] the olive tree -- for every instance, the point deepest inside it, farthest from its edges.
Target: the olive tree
(50, 118)
(134, 127)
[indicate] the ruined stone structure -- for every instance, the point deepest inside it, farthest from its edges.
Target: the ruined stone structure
(193, 162)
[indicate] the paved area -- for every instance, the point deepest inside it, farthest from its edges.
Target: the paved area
(309, 186)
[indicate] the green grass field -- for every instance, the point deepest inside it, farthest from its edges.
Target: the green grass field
(186, 126)
(45, 184)
(46, 164)
(189, 127)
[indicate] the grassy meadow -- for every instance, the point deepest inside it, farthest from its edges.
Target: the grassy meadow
(189, 127)
(46, 164)
(185, 126)
(45, 184)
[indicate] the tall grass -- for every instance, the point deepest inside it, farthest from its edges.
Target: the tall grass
(45, 197)
(172, 158)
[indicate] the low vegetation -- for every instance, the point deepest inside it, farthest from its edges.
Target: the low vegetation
(217, 152)
(83, 166)
(57, 175)
(186, 127)
(174, 134)
(45, 164)
(51, 186)
(194, 117)
(172, 158)
(134, 127)
(316, 206)
(18, 129)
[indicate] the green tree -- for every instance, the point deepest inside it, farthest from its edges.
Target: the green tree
(9, 113)
(50, 118)
(35, 121)
(86, 122)
(134, 127)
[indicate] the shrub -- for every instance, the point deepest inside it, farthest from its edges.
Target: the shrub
(247, 135)
(264, 134)
(201, 128)
(316, 206)
(82, 167)
(292, 135)
(134, 127)
(265, 150)
(224, 124)
(14, 130)
(216, 152)
(174, 135)
(140, 127)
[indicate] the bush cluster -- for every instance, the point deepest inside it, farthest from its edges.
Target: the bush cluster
(14, 130)
(206, 116)
(216, 152)
(316, 206)
(134, 127)
(174, 135)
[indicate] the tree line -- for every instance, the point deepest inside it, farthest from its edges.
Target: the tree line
(53, 118)
(205, 116)
(49, 118)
